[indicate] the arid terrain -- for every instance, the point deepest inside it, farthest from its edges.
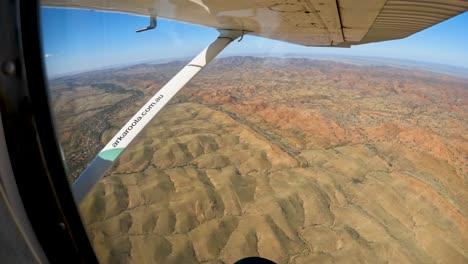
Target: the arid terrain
(296, 160)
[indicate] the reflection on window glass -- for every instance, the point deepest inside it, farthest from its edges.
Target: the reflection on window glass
(292, 153)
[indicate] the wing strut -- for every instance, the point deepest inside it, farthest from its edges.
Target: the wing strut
(130, 130)
(152, 25)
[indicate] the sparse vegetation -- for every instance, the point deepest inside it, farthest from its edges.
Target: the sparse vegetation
(295, 160)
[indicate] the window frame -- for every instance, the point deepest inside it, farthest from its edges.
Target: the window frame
(31, 139)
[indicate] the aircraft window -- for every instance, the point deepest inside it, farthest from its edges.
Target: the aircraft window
(295, 154)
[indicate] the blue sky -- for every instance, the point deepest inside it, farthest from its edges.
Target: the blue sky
(82, 40)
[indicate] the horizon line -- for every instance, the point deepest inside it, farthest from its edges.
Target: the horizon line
(258, 55)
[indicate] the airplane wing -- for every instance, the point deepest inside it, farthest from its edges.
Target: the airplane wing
(306, 22)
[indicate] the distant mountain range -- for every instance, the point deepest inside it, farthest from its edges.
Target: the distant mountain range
(357, 60)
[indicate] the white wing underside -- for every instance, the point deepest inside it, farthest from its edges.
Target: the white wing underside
(307, 22)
